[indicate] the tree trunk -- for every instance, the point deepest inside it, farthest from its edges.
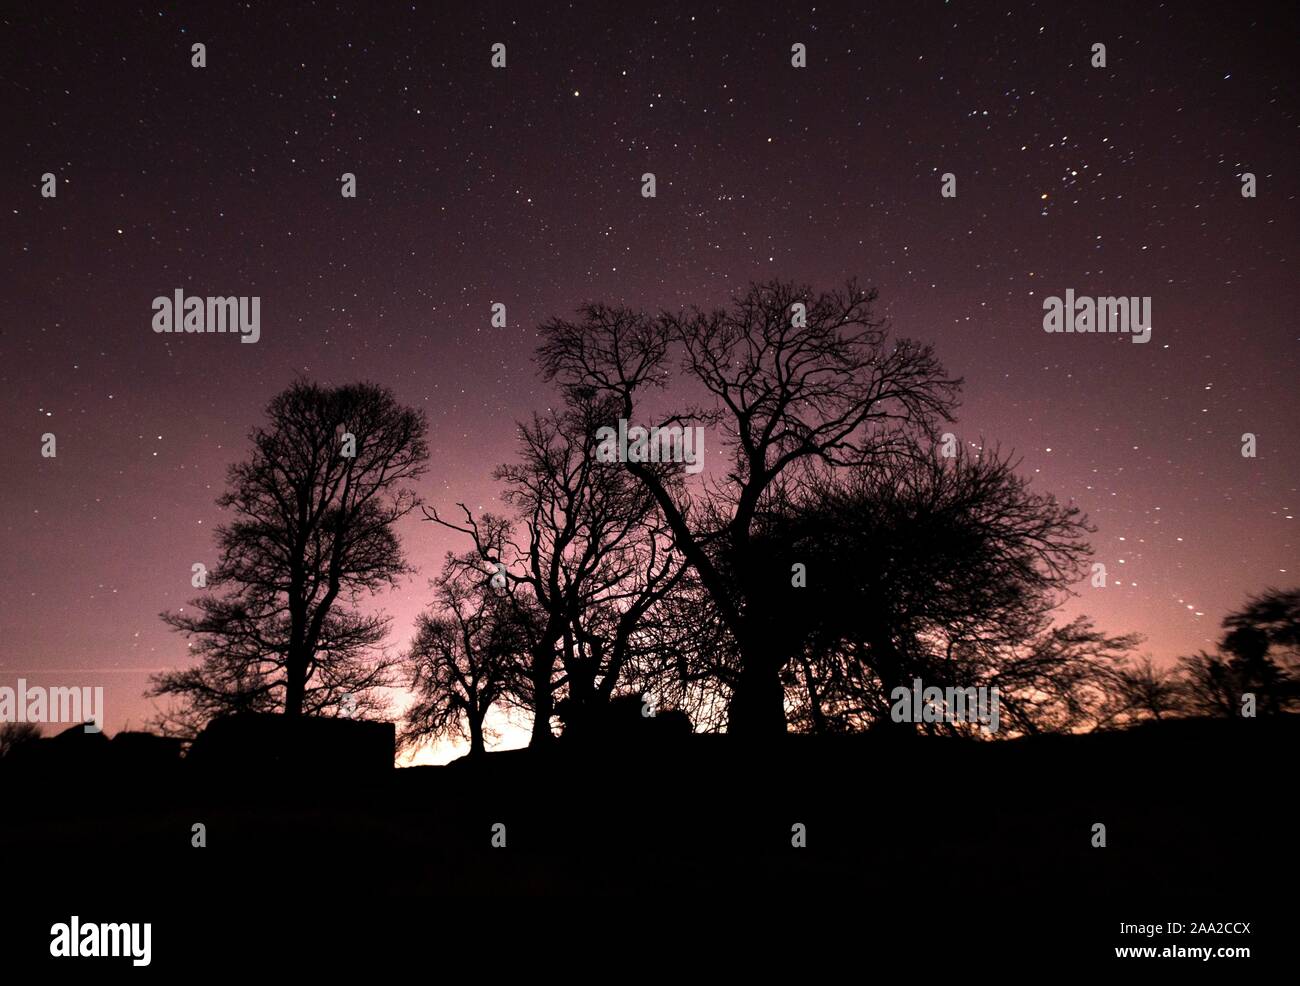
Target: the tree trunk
(542, 735)
(757, 709)
(295, 664)
(295, 686)
(543, 700)
(476, 746)
(814, 699)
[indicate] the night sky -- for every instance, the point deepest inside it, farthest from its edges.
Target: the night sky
(523, 186)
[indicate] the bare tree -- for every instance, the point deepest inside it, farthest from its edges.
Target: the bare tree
(583, 564)
(1150, 691)
(461, 660)
(1212, 687)
(685, 656)
(1063, 680)
(315, 506)
(792, 379)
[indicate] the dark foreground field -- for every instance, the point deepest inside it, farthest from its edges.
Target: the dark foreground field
(910, 837)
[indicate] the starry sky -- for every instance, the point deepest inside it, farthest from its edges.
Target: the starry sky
(522, 185)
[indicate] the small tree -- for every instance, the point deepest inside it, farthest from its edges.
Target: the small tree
(1062, 681)
(1150, 691)
(461, 661)
(1212, 688)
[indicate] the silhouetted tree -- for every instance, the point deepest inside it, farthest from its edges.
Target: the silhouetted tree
(1263, 641)
(584, 563)
(1062, 680)
(1258, 655)
(686, 655)
(315, 506)
(1151, 691)
(461, 660)
(1274, 614)
(789, 387)
(1212, 688)
(914, 565)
